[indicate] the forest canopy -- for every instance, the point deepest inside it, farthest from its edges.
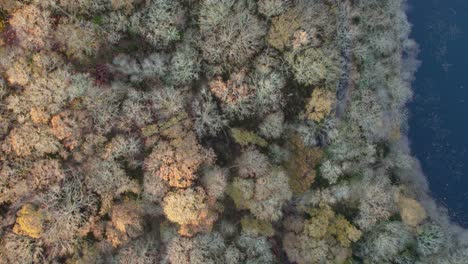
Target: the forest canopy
(210, 131)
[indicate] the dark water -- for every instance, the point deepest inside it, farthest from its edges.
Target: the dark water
(439, 112)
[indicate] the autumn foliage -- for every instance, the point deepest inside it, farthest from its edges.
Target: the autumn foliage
(210, 131)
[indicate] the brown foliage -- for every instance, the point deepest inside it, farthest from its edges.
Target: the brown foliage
(45, 173)
(177, 158)
(126, 223)
(39, 116)
(233, 90)
(320, 105)
(411, 211)
(190, 209)
(324, 238)
(282, 29)
(14, 184)
(31, 26)
(67, 127)
(31, 140)
(301, 166)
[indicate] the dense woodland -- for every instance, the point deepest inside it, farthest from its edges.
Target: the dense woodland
(210, 131)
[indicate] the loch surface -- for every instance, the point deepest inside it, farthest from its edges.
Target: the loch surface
(439, 112)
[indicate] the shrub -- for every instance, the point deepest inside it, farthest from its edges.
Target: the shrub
(16, 248)
(272, 8)
(458, 256)
(214, 180)
(108, 179)
(185, 65)
(32, 27)
(320, 105)
(152, 66)
(431, 239)
(377, 202)
(69, 127)
(208, 119)
(324, 238)
(231, 32)
(251, 249)
(45, 91)
(13, 182)
(177, 160)
(28, 140)
(264, 196)
(411, 211)
(3, 87)
(271, 194)
(302, 165)
(330, 171)
(282, 29)
(252, 163)
(205, 248)
(312, 66)
(386, 242)
(29, 221)
(121, 146)
(172, 128)
(268, 95)
(45, 173)
(160, 22)
(272, 125)
(141, 251)
(241, 192)
(84, 7)
(189, 209)
(236, 94)
(307, 132)
(252, 226)
(68, 209)
(79, 40)
(17, 70)
(245, 137)
(126, 223)
(301, 249)
(135, 109)
(167, 102)
(154, 188)
(103, 105)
